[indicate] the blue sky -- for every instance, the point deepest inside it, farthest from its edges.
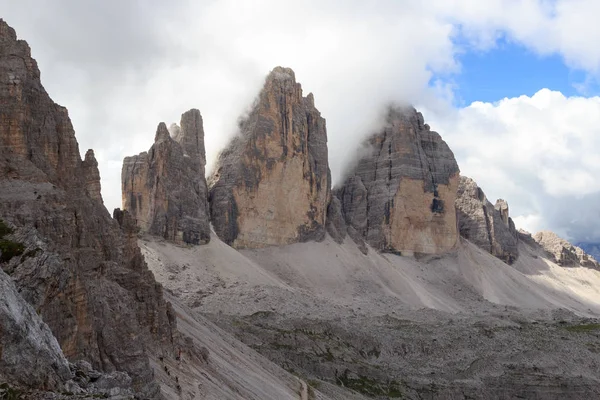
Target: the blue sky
(512, 70)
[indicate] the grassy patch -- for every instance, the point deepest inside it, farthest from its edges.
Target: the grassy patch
(370, 387)
(314, 383)
(262, 314)
(10, 249)
(4, 229)
(584, 328)
(280, 346)
(8, 393)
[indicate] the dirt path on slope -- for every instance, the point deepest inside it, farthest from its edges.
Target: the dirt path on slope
(303, 391)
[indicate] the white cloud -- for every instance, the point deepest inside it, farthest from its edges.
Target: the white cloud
(540, 153)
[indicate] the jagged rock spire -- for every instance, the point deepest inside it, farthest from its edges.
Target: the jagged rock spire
(165, 188)
(272, 183)
(488, 226)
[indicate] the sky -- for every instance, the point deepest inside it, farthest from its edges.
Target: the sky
(512, 86)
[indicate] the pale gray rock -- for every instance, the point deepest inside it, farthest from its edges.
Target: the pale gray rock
(486, 225)
(593, 249)
(29, 354)
(401, 195)
(563, 252)
(165, 188)
(272, 184)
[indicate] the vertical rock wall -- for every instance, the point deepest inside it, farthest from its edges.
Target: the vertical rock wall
(272, 183)
(165, 188)
(401, 196)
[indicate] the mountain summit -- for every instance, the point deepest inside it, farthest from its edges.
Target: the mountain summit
(271, 185)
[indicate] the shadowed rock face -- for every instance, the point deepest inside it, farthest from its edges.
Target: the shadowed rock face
(336, 225)
(271, 185)
(563, 252)
(80, 272)
(165, 188)
(401, 196)
(486, 225)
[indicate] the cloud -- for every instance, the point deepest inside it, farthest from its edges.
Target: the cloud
(122, 67)
(540, 153)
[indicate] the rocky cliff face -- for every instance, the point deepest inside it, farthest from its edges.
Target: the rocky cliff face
(165, 188)
(271, 185)
(68, 258)
(401, 196)
(563, 252)
(29, 353)
(486, 225)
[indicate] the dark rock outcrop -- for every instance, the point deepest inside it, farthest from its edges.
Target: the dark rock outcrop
(165, 188)
(77, 270)
(564, 253)
(336, 225)
(271, 185)
(401, 196)
(487, 226)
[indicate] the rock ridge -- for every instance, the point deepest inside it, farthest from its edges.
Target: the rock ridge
(487, 226)
(165, 188)
(564, 253)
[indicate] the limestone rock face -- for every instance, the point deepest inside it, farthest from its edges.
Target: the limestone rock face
(486, 225)
(165, 188)
(78, 270)
(563, 252)
(401, 196)
(271, 185)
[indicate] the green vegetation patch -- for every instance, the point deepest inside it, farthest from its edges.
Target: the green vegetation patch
(4, 229)
(585, 328)
(9, 249)
(8, 393)
(370, 387)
